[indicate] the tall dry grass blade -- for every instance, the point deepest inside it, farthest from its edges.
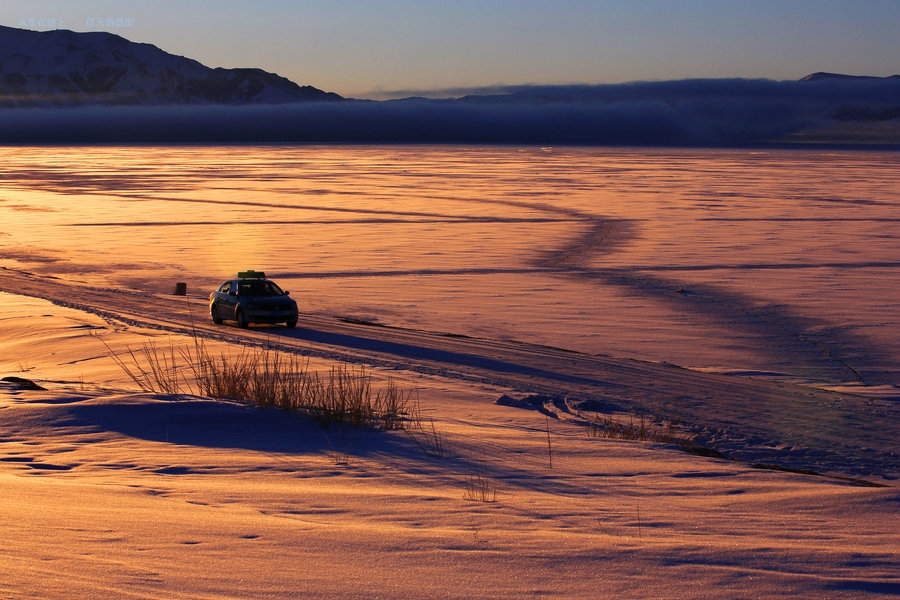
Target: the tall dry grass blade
(480, 486)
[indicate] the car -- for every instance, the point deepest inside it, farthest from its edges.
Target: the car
(252, 298)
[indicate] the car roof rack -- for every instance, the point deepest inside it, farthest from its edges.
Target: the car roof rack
(251, 274)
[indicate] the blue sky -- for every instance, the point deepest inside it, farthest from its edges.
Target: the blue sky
(374, 48)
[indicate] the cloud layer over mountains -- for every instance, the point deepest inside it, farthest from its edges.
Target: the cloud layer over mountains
(692, 112)
(66, 87)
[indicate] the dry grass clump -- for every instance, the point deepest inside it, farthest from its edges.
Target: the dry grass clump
(636, 427)
(269, 378)
(429, 440)
(480, 486)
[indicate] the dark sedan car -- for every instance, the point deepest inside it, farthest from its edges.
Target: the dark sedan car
(251, 298)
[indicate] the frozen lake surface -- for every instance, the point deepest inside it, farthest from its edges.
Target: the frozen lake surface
(771, 263)
(523, 291)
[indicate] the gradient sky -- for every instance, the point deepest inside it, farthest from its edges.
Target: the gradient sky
(383, 48)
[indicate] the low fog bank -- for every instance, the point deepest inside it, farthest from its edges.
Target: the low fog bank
(689, 113)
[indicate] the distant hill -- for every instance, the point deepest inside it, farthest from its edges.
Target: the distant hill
(63, 68)
(822, 76)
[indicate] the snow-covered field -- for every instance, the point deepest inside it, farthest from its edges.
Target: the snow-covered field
(751, 295)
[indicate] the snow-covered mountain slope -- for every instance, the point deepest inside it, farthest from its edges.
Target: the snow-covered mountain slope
(65, 68)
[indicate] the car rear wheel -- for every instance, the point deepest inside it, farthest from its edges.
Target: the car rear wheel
(214, 311)
(291, 324)
(241, 319)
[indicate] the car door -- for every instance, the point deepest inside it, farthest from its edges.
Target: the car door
(228, 299)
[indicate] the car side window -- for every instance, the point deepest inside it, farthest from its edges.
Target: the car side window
(233, 288)
(225, 287)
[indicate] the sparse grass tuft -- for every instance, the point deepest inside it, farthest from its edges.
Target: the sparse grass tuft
(340, 454)
(636, 427)
(427, 438)
(480, 487)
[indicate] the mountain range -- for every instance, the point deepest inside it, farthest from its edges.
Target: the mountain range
(67, 87)
(65, 68)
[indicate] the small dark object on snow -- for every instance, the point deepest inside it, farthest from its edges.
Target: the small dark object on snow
(21, 383)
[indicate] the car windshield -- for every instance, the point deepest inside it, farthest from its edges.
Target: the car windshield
(259, 288)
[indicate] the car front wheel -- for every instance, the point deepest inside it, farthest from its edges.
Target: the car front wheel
(214, 311)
